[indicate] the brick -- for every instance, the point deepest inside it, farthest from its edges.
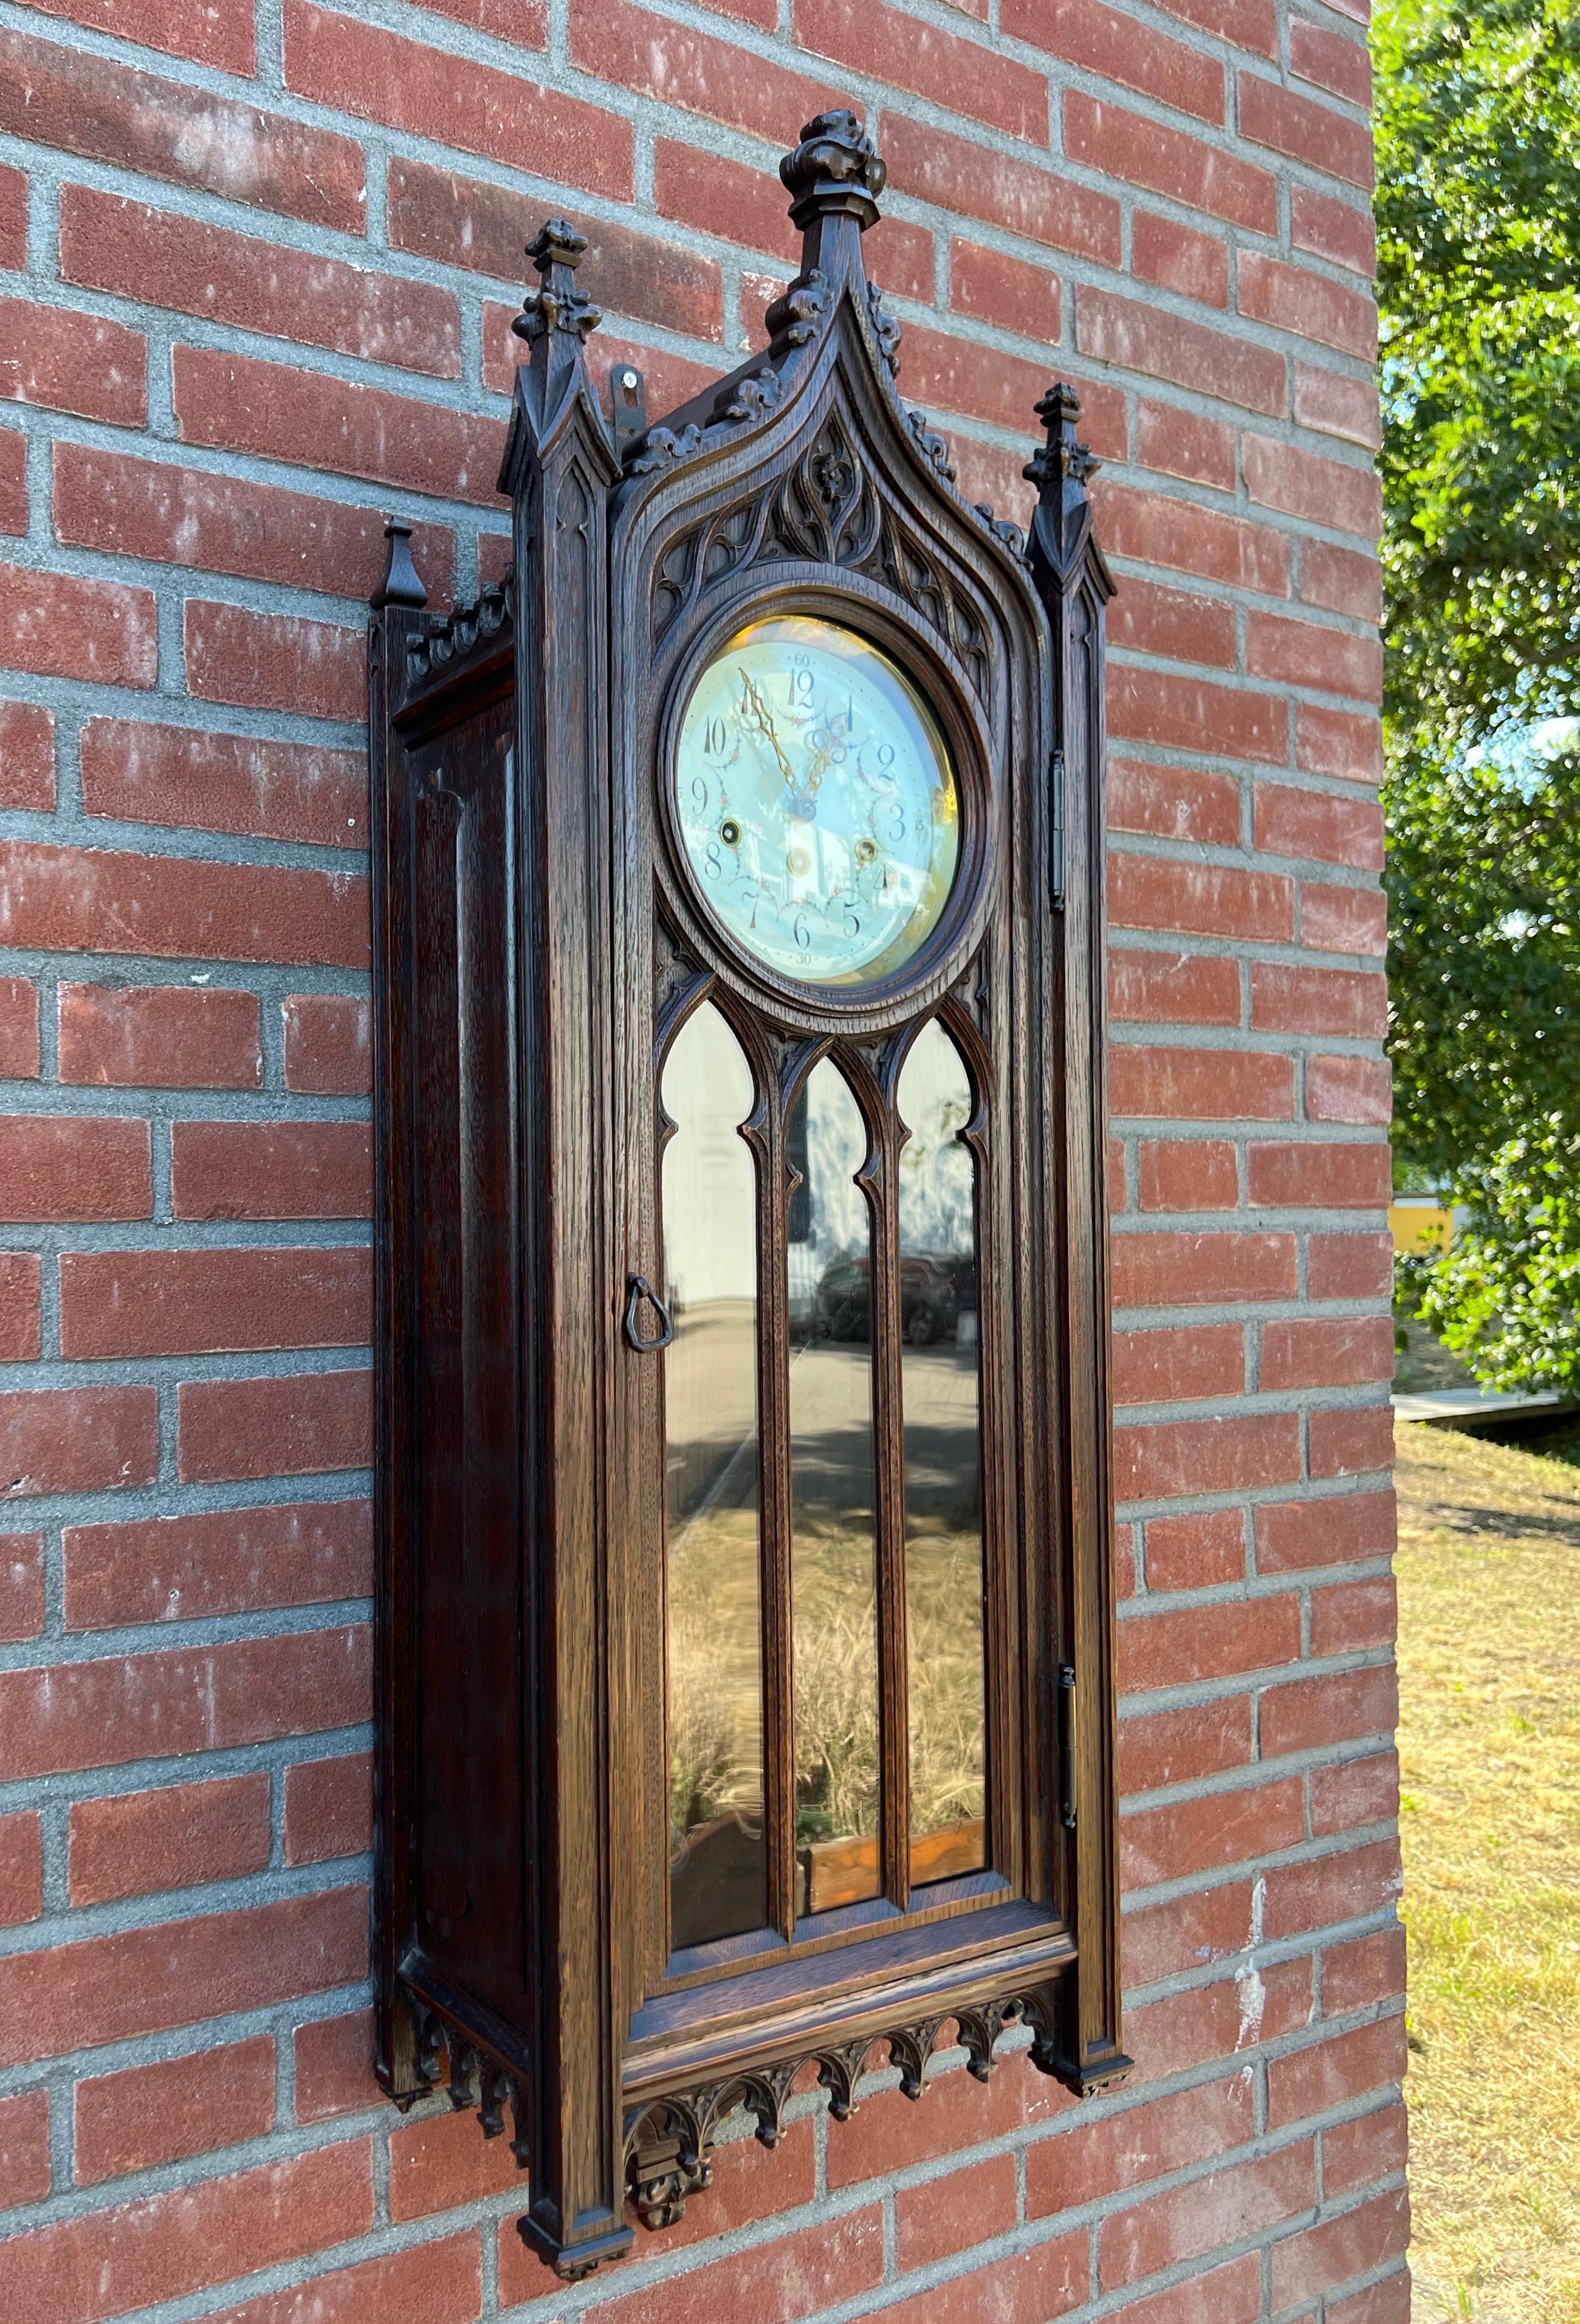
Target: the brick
(1218, 2021)
(429, 92)
(13, 494)
(892, 2132)
(1235, 2202)
(165, 1303)
(1206, 1456)
(21, 1869)
(12, 220)
(1325, 139)
(329, 1809)
(750, 2184)
(101, 1714)
(1344, 919)
(60, 625)
(1189, 1360)
(110, 244)
(75, 899)
(1188, 1932)
(1313, 1176)
(1011, 293)
(1357, 2153)
(1312, 306)
(1356, 1792)
(1127, 2148)
(1150, 891)
(328, 1045)
(1338, 1707)
(271, 1169)
(1347, 408)
(1031, 2288)
(1184, 1646)
(1182, 1746)
(905, 52)
(1139, 336)
(437, 2282)
(1178, 443)
(1196, 1553)
(21, 1585)
(72, 362)
(1338, 742)
(1343, 580)
(690, 68)
(1177, 625)
(223, 1562)
(1334, 1530)
(948, 372)
(78, 100)
(934, 166)
(1178, 534)
(60, 1166)
(289, 1427)
(1364, 1971)
(27, 756)
(525, 22)
(1182, 259)
(1125, 49)
(19, 1028)
(77, 1439)
(1173, 803)
(1351, 2245)
(789, 2278)
(1388, 2302)
(176, 1838)
(1187, 713)
(1350, 1001)
(1347, 1887)
(180, 2106)
(274, 661)
(82, 2270)
(671, 379)
(1347, 1266)
(230, 524)
(1308, 1351)
(160, 1036)
(1339, 231)
(1200, 1084)
(21, 1307)
(472, 222)
(1206, 1835)
(1162, 1269)
(220, 32)
(1325, 827)
(949, 2215)
(111, 1988)
(24, 2148)
(1250, 24)
(1225, 2295)
(1303, 653)
(1167, 161)
(281, 412)
(1331, 60)
(334, 2067)
(738, 204)
(1188, 1173)
(1353, 1616)
(443, 2161)
(1333, 493)
(1173, 988)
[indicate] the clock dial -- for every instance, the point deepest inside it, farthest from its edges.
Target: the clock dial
(817, 802)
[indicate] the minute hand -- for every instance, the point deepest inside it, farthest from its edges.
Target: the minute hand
(754, 703)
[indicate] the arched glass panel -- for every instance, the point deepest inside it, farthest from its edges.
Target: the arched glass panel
(834, 1551)
(717, 1846)
(941, 1399)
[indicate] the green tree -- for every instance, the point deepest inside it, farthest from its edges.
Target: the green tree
(1478, 218)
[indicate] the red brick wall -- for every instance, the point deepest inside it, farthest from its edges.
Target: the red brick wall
(259, 265)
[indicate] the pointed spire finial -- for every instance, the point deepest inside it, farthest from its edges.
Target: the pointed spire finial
(556, 250)
(402, 584)
(835, 169)
(1063, 455)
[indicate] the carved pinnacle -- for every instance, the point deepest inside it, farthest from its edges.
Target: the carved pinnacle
(834, 167)
(1063, 455)
(1060, 469)
(556, 250)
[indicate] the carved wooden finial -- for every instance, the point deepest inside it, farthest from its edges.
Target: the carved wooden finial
(1060, 469)
(835, 168)
(402, 584)
(556, 250)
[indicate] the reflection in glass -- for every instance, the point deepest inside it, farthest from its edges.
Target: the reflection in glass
(944, 1579)
(834, 1554)
(717, 1851)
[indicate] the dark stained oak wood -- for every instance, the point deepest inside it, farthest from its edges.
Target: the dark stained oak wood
(539, 944)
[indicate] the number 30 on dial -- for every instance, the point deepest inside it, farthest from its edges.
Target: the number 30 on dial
(817, 802)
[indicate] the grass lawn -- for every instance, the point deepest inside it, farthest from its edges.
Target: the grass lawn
(1489, 1575)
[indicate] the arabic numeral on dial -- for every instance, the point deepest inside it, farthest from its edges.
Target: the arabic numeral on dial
(713, 862)
(896, 827)
(714, 738)
(885, 756)
(852, 926)
(700, 794)
(801, 933)
(802, 685)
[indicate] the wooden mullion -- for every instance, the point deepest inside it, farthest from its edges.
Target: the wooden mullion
(775, 1503)
(889, 1477)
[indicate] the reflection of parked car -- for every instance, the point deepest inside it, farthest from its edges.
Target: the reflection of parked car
(930, 1299)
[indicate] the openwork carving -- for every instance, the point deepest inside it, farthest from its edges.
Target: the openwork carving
(449, 638)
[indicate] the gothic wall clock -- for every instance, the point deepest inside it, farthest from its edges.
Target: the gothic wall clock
(744, 1594)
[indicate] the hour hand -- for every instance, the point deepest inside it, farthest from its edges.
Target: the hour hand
(752, 704)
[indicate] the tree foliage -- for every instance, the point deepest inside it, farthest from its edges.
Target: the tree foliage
(1479, 265)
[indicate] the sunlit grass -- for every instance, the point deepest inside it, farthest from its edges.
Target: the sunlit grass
(1489, 1572)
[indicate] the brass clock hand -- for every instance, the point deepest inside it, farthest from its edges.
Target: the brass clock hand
(752, 702)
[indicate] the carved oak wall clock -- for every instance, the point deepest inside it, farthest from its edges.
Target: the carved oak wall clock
(744, 1593)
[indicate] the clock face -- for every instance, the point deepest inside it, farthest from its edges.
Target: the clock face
(817, 802)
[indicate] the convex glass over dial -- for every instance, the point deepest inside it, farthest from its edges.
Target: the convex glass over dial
(817, 801)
